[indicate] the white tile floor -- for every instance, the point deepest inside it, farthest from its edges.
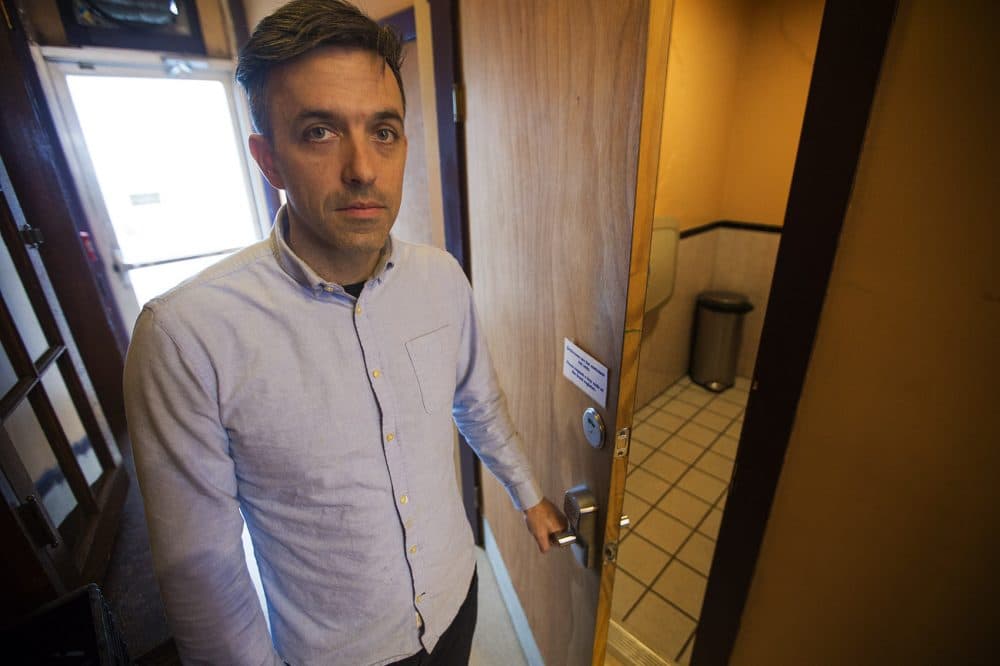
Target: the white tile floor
(683, 448)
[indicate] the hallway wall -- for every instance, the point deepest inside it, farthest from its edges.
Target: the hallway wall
(882, 546)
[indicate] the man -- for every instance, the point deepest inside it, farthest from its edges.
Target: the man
(306, 382)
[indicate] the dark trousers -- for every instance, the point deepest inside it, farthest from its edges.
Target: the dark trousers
(455, 643)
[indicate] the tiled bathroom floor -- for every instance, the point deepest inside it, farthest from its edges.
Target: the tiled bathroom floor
(683, 447)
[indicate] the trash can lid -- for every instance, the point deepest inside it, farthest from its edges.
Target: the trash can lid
(725, 301)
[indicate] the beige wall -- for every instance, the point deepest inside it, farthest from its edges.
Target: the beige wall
(411, 223)
(882, 545)
(706, 39)
(666, 330)
(730, 259)
(737, 80)
(744, 262)
(775, 68)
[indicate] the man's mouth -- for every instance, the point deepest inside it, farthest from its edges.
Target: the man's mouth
(362, 206)
(363, 209)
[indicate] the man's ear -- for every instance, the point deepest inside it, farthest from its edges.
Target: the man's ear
(260, 148)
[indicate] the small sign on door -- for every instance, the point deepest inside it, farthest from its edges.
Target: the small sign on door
(586, 372)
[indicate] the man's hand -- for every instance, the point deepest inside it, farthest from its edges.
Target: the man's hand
(544, 519)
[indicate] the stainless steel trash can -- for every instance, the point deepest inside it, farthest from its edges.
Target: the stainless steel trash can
(718, 329)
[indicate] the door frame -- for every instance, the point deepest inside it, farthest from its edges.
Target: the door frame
(454, 199)
(42, 179)
(55, 64)
(452, 169)
(852, 42)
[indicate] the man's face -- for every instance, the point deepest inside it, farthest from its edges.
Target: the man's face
(338, 150)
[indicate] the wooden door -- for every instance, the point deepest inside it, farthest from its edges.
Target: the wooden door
(61, 477)
(561, 152)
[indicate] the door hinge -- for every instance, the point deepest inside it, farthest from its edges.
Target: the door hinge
(37, 522)
(458, 103)
(622, 439)
(611, 552)
(32, 236)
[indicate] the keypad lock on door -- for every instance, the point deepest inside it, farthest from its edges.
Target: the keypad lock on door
(580, 508)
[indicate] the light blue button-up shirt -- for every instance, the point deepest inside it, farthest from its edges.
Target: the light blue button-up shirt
(257, 386)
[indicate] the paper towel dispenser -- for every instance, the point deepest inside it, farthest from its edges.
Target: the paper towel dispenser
(662, 262)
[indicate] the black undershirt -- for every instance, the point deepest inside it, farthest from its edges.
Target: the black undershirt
(354, 289)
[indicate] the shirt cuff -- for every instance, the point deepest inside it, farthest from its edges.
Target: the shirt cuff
(525, 495)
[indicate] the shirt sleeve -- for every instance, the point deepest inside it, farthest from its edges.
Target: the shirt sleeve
(188, 484)
(480, 410)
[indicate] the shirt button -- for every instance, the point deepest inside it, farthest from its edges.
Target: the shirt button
(357, 309)
(404, 499)
(420, 597)
(376, 374)
(328, 289)
(408, 524)
(390, 437)
(413, 550)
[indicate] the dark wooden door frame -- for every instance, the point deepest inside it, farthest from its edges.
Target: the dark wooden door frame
(451, 151)
(40, 175)
(404, 23)
(451, 130)
(852, 42)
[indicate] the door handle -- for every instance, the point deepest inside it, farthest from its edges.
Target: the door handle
(566, 537)
(580, 508)
(37, 521)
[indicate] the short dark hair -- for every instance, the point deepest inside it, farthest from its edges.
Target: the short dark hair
(299, 27)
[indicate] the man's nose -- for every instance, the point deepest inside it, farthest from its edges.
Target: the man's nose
(359, 165)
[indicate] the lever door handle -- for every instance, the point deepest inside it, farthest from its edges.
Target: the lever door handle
(566, 537)
(563, 538)
(580, 508)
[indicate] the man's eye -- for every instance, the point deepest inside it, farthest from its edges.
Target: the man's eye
(317, 133)
(385, 135)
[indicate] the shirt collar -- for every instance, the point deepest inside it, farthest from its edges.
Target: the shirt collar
(302, 273)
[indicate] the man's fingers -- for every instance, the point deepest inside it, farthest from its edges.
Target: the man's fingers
(554, 524)
(543, 542)
(544, 520)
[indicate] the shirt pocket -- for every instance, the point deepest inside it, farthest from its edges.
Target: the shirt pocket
(433, 358)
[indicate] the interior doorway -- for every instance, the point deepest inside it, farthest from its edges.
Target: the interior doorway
(158, 150)
(738, 76)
